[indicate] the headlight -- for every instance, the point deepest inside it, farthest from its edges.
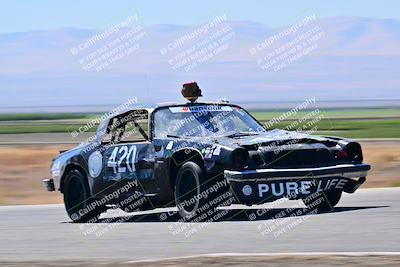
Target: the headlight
(353, 149)
(240, 158)
(55, 168)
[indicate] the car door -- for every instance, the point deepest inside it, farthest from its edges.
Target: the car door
(128, 149)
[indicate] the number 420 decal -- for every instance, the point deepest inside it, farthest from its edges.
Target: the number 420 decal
(122, 158)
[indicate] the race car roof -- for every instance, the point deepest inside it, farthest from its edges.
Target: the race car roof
(151, 107)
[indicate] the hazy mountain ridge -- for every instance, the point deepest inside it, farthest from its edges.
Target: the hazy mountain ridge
(357, 58)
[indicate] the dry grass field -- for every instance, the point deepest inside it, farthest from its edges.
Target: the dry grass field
(22, 168)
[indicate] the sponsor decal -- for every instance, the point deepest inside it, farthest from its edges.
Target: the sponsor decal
(199, 108)
(280, 189)
(210, 151)
(169, 145)
(247, 190)
(217, 150)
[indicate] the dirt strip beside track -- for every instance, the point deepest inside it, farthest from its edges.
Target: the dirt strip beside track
(220, 261)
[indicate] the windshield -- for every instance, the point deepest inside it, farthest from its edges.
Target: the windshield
(202, 121)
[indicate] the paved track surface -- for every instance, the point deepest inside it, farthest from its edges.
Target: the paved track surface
(367, 221)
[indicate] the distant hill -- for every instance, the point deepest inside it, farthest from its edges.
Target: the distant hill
(355, 59)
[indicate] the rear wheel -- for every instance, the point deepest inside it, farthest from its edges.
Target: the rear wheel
(324, 201)
(77, 200)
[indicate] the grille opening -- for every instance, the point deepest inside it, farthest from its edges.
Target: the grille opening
(299, 158)
(257, 160)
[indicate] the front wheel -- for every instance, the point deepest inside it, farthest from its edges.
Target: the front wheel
(188, 186)
(323, 201)
(197, 195)
(78, 203)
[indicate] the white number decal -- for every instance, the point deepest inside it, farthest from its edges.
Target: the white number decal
(128, 156)
(124, 150)
(112, 160)
(131, 164)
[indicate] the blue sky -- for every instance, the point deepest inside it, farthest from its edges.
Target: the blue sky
(27, 15)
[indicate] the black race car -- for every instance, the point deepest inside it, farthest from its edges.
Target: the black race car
(198, 156)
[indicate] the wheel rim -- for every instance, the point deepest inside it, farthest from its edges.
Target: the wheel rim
(187, 192)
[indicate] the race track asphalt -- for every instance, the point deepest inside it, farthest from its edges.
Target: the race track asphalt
(366, 221)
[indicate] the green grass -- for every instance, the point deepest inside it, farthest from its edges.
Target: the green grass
(387, 128)
(55, 128)
(44, 116)
(357, 123)
(334, 113)
(396, 184)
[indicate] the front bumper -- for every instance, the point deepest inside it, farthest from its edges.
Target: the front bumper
(49, 184)
(265, 185)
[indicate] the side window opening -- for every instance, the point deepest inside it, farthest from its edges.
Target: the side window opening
(131, 126)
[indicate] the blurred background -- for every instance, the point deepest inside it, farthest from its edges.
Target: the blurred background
(65, 66)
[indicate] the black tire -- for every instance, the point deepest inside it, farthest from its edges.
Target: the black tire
(188, 183)
(325, 201)
(195, 194)
(77, 198)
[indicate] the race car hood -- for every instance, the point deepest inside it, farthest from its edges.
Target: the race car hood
(263, 138)
(293, 149)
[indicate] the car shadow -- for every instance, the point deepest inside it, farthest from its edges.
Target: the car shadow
(232, 215)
